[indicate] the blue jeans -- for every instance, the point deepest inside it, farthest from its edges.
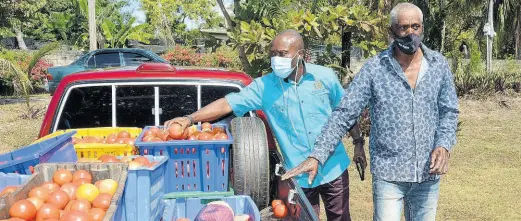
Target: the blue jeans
(421, 200)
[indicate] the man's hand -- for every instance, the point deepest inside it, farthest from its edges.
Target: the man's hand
(183, 121)
(439, 161)
(359, 153)
(309, 166)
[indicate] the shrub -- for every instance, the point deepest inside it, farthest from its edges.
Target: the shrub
(223, 57)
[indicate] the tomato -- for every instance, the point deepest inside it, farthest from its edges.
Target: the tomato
(205, 136)
(68, 206)
(148, 133)
(182, 219)
(141, 160)
(192, 137)
(87, 191)
(108, 186)
(147, 138)
(39, 192)
(176, 131)
(206, 127)
(125, 159)
(37, 202)
(221, 136)
(23, 209)
(81, 205)
(280, 211)
(96, 214)
(47, 211)
(192, 129)
(50, 186)
(102, 201)
(110, 159)
(75, 140)
(123, 134)
(274, 203)
(81, 174)
(163, 136)
(80, 181)
(70, 189)
(155, 130)
(157, 139)
(62, 176)
(131, 141)
(102, 157)
(7, 190)
(121, 141)
(111, 140)
(58, 198)
(185, 135)
(217, 130)
(75, 216)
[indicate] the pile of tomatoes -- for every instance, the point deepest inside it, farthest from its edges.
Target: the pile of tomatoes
(69, 196)
(122, 137)
(176, 132)
(279, 209)
(139, 161)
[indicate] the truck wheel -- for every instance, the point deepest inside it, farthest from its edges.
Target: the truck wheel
(250, 157)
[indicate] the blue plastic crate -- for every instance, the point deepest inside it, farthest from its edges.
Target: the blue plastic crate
(144, 190)
(190, 207)
(58, 149)
(12, 179)
(193, 165)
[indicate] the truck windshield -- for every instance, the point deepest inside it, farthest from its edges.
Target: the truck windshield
(88, 106)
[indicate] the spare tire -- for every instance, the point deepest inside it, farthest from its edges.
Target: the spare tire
(250, 158)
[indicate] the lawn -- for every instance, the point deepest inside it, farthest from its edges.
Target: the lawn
(485, 166)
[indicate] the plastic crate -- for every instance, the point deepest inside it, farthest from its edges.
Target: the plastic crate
(57, 149)
(99, 171)
(95, 150)
(193, 165)
(190, 207)
(12, 179)
(144, 191)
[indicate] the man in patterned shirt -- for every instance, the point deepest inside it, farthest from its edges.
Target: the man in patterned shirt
(413, 108)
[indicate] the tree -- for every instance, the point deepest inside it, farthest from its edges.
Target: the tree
(20, 14)
(117, 33)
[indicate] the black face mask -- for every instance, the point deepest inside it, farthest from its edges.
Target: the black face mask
(408, 44)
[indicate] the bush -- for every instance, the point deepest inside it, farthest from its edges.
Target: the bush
(21, 59)
(223, 57)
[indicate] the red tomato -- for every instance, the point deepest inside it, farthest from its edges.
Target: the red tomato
(81, 205)
(50, 186)
(148, 133)
(23, 209)
(81, 174)
(274, 203)
(7, 190)
(62, 176)
(102, 201)
(163, 136)
(80, 181)
(70, 189)
(37, 202)
(221, 136)
(121, 140)
(111, 140)
(39, 192)
(154, 130)
(47, 211)
(75, 216)
(142, 160)
(148, 138)
(217, 130)
(123, 134)
(96, 214)
(102, 157)
(280, 211)
(175, 131)
(59, 199)
(192, 137)
(131, 141)
(205, 136)
(110, 159)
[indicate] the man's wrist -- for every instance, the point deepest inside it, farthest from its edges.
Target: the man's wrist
(190, 118)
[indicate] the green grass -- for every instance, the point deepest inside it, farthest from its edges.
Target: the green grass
(483, 182)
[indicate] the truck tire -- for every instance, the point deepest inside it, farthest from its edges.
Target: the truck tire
(250, 158)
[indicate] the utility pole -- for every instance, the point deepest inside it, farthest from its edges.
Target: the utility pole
(490, 33)
(92, 24)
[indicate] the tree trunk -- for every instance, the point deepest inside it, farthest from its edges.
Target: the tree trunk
(20, 37)
(518, 36)
(242, 53)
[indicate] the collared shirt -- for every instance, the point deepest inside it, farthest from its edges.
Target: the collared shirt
(406, 123)
(296, 114)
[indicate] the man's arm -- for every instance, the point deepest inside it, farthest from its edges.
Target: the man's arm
(249, 98)
(445, 137)
(344, 116)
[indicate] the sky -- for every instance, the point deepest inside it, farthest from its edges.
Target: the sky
(139, 14)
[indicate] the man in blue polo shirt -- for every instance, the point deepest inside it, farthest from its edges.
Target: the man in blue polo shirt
(297, 98)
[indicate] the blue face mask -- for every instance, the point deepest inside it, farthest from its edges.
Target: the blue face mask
(282, 66)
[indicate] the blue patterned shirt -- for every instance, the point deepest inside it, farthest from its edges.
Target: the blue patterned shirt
(406, 123)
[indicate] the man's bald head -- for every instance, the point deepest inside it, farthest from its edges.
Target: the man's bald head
(292, 37)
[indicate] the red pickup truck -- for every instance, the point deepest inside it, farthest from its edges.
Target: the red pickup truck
(154, 93)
